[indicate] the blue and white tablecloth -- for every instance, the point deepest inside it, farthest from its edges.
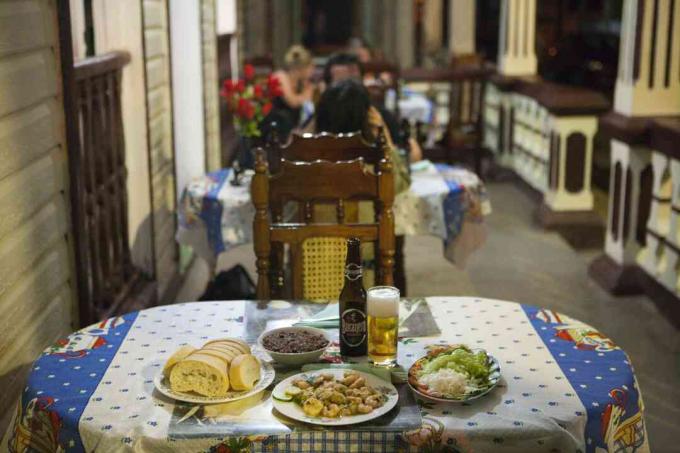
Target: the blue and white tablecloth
(444, 201)
(565, 387)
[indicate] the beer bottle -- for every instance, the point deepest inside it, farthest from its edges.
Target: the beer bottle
(353, 338)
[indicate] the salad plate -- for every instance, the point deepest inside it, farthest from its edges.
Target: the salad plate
(454, 374)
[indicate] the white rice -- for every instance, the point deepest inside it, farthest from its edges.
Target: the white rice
(445, 381)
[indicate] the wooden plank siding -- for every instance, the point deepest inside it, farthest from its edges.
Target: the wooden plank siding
(161, 154)
(211, 101)
(36, 270)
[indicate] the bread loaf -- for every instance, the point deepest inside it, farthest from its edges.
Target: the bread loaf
(180, 354)
(240, 345)
(201, 373)
(244, 372)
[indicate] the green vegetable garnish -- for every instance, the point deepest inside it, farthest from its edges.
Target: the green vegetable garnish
(472, 365)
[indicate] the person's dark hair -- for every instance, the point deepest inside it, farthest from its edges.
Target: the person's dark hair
(343, 108)
(339, 59)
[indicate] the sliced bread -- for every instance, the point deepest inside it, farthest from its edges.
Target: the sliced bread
(236, 343)
(180, 354)
(244, 372)
(201, 373)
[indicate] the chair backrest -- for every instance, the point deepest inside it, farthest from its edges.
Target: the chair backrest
(325, 146)
(308, 183)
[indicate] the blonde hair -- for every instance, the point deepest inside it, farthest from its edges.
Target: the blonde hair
(297, 57)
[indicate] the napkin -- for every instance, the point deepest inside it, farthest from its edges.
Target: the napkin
(329, 317)
(395, 374)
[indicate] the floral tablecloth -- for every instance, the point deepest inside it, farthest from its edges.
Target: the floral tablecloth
(444, 201)
(565, 387)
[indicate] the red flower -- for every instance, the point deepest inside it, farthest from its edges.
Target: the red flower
(248, 71)
(242, 107)
(266, 108)
(241, 86)
(274, 86)
(257, 91)
(250, 111)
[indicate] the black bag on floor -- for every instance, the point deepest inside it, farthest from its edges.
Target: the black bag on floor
(234, 284)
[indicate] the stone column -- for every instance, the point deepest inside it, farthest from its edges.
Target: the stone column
(432, 28)
(462, 21)
(649, 59)
(647, 85)
(517, 38)
(405, 34)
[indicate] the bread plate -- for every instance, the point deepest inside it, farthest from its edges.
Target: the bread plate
(267, 375)
(292, 410)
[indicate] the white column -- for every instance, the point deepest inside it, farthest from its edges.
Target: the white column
(187, 91)
(621, 247)
(462, 20)
(432, 26)
(517, 38)
(405, 35)
(649, 59)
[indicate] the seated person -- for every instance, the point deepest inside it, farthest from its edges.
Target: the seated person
(296, 90)
(345, 107)
(343, 66)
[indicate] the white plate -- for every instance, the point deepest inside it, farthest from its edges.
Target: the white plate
(292, 410)
(267, 375)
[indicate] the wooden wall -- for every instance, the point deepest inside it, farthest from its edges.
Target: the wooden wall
(161, 154)
(36, 274)
(211, 106)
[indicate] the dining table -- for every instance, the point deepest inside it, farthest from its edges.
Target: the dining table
(449, 202)
(564, 386)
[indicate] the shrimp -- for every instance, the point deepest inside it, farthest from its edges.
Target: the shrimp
(350, 378)
(373, 401)
(331, 410)
(301, 384)
(360, 382)
(364, 409)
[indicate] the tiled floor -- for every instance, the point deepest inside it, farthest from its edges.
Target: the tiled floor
(522, 263)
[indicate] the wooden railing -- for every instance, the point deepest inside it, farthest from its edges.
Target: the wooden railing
(544, 132)
(103, 247)
(457, 94)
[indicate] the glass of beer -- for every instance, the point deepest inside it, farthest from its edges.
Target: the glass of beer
(382, 307)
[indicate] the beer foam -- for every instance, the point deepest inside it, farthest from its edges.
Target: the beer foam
(383, 302)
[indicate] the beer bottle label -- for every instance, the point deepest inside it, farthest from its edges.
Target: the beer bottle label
(353, 327)
(352, 271)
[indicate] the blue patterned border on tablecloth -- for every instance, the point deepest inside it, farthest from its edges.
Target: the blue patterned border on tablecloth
(61, 384)
(211, 211)
(453, 205)
(602, 376)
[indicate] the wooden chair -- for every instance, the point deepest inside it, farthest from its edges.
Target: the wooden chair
(308, 183)
(334, 148)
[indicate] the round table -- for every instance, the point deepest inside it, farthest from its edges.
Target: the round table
(564, 387)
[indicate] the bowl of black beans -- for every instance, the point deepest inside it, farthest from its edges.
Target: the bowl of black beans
(294, 346)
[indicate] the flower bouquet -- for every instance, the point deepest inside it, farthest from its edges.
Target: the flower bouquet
(250, 100)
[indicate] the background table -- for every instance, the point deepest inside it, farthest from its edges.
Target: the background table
(444, 201)
(565, 386)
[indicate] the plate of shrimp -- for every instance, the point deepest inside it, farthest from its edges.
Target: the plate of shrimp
(334, 397)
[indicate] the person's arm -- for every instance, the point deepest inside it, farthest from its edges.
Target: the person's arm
(402, 179)
(415, 151)
(289, 95)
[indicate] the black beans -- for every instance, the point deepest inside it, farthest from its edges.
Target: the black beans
(294, 341)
